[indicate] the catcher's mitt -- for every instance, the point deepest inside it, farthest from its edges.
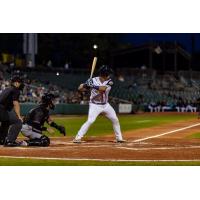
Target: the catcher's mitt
(62, 130)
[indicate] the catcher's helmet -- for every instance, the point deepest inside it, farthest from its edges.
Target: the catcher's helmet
(47, 99)
(104, 70)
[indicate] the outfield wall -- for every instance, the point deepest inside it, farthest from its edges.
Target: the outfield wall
(65, 109)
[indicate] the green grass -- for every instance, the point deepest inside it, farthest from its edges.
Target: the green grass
(103, 126)
(194, 136)
(38, 162)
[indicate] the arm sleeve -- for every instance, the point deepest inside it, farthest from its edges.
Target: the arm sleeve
(109, 84)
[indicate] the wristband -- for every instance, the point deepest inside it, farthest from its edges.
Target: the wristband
(95, 87)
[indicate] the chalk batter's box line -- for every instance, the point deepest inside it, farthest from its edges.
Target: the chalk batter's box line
(123, 148)
(162, 134)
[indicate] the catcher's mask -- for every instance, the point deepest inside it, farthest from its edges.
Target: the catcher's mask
(104, 70)
(18, 80)
(48, 99)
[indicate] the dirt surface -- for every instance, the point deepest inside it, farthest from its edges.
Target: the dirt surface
(171, 145)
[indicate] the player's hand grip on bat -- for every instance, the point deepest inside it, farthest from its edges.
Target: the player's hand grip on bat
(89, 83)
(86, 86)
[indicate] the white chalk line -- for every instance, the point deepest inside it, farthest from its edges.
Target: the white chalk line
(60, 148)
(166, 133)
(75, 146)
(159, 148)
(115, 147)
(101, 160)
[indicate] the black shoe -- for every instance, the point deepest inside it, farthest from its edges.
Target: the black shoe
(121, 141)
(12, 144)
(2, 142)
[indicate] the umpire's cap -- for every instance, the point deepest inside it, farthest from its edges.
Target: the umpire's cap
(19, 80)
(16, 79)
(104, 70)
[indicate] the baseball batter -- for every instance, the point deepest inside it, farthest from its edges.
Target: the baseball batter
(100, 88)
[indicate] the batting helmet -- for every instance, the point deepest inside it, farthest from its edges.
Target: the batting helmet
(105, 70)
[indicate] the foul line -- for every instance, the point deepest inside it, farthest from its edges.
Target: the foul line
(159, 148)
(101, 160)
(166, 133)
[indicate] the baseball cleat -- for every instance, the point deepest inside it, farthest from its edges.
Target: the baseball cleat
(77, 141)
(121, 141)
(13, 144)
(23, 143)
(2, 142)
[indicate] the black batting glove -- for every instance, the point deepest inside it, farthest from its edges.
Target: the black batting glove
(89, 83)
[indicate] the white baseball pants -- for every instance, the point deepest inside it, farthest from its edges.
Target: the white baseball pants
(94, 112)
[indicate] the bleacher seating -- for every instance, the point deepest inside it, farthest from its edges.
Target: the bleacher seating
(134, 86)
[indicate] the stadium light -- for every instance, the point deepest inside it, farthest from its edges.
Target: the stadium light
(95, 46)
(158, 50)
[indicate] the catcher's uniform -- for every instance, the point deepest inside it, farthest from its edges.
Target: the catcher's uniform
(34, 122)
(99, 104)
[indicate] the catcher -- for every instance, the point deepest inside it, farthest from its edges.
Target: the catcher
(34, 123)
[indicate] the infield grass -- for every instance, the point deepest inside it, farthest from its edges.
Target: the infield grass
(194, 136)
(102, 126)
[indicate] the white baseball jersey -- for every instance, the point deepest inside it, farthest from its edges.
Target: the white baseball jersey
(99, 97)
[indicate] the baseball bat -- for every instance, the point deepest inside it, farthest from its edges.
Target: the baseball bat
(93, 66)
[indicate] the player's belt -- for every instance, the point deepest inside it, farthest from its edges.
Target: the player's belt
(99, 103)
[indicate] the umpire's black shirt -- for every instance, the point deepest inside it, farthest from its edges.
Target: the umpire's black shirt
(8, 96)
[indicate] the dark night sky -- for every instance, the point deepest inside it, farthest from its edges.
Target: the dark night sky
(7, 40)
(183, 38)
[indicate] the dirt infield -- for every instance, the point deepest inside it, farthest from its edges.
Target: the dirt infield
(162, 142)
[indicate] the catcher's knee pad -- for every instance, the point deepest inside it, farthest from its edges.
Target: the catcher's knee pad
(44, 141)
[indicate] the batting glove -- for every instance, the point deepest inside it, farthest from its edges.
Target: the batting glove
(89, 83)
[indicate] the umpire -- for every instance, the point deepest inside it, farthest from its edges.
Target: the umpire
(10, 117)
